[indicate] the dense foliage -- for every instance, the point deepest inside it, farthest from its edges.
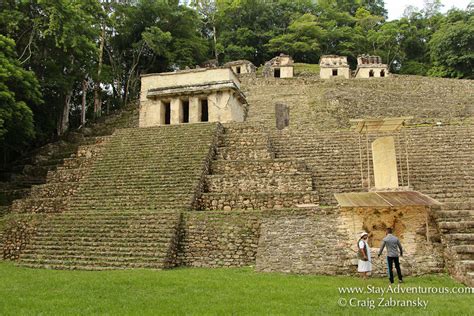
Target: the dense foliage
(55, 52)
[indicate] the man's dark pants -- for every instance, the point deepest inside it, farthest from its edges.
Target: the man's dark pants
(390, 262)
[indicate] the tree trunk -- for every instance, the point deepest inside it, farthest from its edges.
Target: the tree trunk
(215, 42)
(97, 88)
(63, 123)
(83, 105)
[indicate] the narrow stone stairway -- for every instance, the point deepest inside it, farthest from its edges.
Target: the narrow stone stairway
(246, 176)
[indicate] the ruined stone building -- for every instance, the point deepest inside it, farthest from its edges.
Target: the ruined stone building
(334, 66)
(191, 96)
(370, 66)
(241, 66)
(279, 67)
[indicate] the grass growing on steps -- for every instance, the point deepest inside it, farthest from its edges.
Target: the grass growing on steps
(302, 68)
(202, 291)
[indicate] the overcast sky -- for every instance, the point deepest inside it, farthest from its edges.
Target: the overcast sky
(395, 8)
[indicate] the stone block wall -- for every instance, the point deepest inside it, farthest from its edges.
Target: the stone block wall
(303, 241)
(275, 183)
(219, 239)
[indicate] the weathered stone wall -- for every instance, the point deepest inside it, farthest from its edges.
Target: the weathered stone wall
(303, 241)
(263, 168)
(255, 201)
(342, 72)
(280, 183)
(413, 225)
(285, 71)
(219, 239)
(329, 104)
(18, 231)
(364, 72)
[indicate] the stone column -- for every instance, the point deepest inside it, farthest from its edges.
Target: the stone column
(212, 101)
(194, 110)
(176, 111)
(150, 113)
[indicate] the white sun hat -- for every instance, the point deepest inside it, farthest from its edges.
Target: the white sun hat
(363, 234)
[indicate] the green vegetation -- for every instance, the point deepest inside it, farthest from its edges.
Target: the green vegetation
(302, 69)
(203, 291)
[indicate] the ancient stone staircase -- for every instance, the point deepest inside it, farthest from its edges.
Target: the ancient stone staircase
(97, 240)
(245, 175)
(456, 223)
(118, 204)
(16, 182)
(151, 169)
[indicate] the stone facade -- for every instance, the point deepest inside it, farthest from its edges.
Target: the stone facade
(333, 66)
(191, 96)
(413, 225)
(303, 241)
(371, 66)
(241, 67)
(279, 67)
(219, 239)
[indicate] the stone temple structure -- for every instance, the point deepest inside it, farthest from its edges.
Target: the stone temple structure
(241, 66)
(334, 66)
(279, 67)
(370, 66)
(249, 194)
(191, 96)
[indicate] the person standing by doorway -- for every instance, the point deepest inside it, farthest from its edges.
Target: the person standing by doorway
(364, 266)
(393, 245)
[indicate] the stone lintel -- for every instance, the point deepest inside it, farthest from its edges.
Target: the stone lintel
(197, 89)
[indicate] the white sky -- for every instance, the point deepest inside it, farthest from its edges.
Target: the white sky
(395, 8)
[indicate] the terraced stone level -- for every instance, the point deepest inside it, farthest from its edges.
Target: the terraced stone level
(456, 223)
(244, 175)
(99, 241)
(156, 168)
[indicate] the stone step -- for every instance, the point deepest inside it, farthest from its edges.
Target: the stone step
(95, 250)
(40, 205)
(460, 237)
(85, 265)
(467, 264)
(258, 183)
(458, 227)
(268, 166)
(54, 190)
(465, 249)
(460, 214)
(255, 201)
(66, 175)
(246, 153)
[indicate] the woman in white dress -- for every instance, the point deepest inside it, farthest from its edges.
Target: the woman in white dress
(365, 261)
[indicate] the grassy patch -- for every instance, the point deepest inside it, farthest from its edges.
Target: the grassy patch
(301, 68)
(202, 291)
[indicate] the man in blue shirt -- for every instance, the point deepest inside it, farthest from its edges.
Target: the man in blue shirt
(393, 245)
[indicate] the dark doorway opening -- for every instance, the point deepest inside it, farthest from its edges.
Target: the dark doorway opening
(238, 70)
(167, 106)
(204, 111)
(371, 73)
(334, 72)
(276, 73)
(382, 73)
(185, 108)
